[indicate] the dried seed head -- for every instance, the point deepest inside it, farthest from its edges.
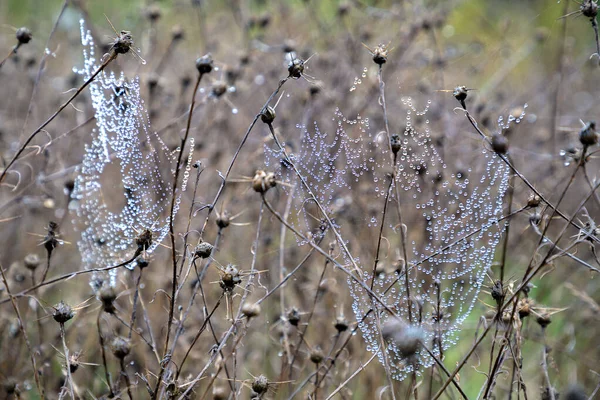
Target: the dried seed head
(142, 262)
(341, 325)
(316, 355)
(260, 384)
(177, 33)
(144, 240)
(315, 89)
(223, 220)
(203, 250)
(499, 143)
(293, 316)
(589, 9)
(406, 338)
(263, 181)
(380, 54)
(395, 143)
(120, 347)
(533, 201)
(204, 64)
(268, 115)
(122, 44)
(31, 261)
(51, 239)
(574, 392)
(219, 393)
(106, 294)
(498, 292)
(251, 310)
(218, 89)
(588, 135)
(153, 12)
(296, 68)
(524, 307)
(24, 35)
(543, 320)
(460, 93)
(74, 361)
(230, 279)
(11, 386)
(63, 312)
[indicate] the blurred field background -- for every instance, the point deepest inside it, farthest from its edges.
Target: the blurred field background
(511, 52)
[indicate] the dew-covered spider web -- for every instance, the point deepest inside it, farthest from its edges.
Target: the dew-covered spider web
(122, 187)
(450, 211)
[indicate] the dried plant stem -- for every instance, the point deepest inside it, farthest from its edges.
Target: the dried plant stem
(53, 116)
(354, 374)
(134, 305)
(24, 333)
(545, 350)
(67, 366)
(103, 351)
(125, 377)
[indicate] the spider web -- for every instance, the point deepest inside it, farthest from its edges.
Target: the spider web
(349, 172)
(122, 187)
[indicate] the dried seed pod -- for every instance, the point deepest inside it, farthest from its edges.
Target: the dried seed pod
(407, 338)
(106, 294)
(341, 325)
(588, 135)
(24, 35)
(120, 347)
(31, 261)
(51, 239)
(177, 33)
(204, 64)
(524, 307)
(219, 393)
(296, 68)
(499, 143)
(122, 44)
(218, 89)
(293, 316)
(230, 279)
(380, 54)
(533, 201)
(142, 262)
(395, 143)
(498, 292)
(62, 312)
(263, 181)
(543, 320)
(260, 384)
(74, 361)
(316, 355)
(203, 250)
(460, 93)
(144, 240)
(251, 310)
(589, 9)
(268, 115)
(153, 12)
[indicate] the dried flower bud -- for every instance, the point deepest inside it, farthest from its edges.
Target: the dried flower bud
(268, 115)
(460, 93)
(499, 143)
(260, 384)
(106, 294)
(74, 361)
(153, 13)
(204, 64)
(316, 355)
(24, 35)
(218, 89)
(203, 250)
(251, 310)
(142, 262)
(223, 220)
(341, 325)
(263, 181)
(296, 68)
(380, 54)
(407, 338)
(31, 261)
(524, 307)
(120, 347)
(63, 312)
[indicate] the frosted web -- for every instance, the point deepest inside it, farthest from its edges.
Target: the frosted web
(451, 213)
(122, 188)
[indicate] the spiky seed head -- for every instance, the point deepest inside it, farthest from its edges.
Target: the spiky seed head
(63, 312)
(268, 115)
(230, 279)
(296, 68)
(407, 338)
(533, 201)
(31, 261)
(177, 33)
(120, 347)
(380, 54)
(223, 220)
(74, 361)
(251, 310)
(218, 89)
(153, 12)
(589, 9)
(263, 181)
(203, 250)
(543, 320)
(204, 64)
(524, 307)
(293, 316)
(395, 143)
(106, 294)
(123, 43)
(24, 35)
(144, 240)
(588, 135)
(316, 355)
(260, 384)
(219, 393)
(460, 93)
